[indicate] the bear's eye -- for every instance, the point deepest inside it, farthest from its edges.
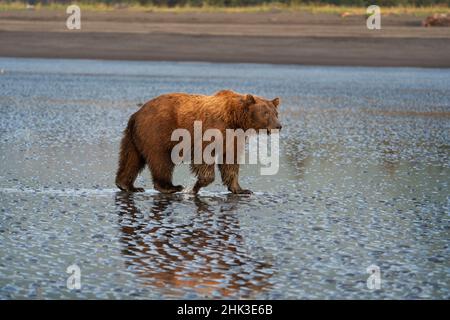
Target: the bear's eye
(266, 113)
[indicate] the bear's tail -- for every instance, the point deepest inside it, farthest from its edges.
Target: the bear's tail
(131, 161)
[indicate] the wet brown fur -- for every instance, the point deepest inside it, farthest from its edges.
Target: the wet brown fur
(147, 138)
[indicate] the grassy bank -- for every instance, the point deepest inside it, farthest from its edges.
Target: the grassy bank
(313, 9)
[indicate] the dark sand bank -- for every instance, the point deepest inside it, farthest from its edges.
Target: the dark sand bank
(294, 38)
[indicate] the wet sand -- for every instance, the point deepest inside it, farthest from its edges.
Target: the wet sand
(279, 38)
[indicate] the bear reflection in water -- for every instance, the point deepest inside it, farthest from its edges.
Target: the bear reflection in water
(204, 256)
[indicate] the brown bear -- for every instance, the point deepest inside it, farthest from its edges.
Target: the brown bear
(147, 138)
(437, 20)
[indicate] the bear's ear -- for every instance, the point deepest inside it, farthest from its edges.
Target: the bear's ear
(276, 102)
(248, 101)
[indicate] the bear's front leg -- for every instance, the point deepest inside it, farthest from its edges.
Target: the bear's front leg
(230, 176)
(205, 175)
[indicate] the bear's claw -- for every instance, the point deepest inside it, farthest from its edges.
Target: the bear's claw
(129, 189)
(171, 189)
(241, 191)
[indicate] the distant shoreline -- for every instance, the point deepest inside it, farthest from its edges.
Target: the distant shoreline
(275, 38)
(269, 7)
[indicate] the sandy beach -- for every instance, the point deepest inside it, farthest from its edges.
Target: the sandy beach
(277, 37)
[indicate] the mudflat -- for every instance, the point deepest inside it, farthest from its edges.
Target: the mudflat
(263, 37)
(363, 178)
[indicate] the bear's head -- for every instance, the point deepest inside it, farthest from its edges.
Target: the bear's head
(261, 113)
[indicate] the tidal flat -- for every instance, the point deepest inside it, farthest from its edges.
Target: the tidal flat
(363, 180)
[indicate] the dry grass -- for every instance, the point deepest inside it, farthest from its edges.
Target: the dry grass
(314, 9)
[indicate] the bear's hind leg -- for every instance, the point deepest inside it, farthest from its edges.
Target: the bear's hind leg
(130, 164)
(161, 168)
(205, 175)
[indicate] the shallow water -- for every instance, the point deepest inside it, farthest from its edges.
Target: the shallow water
(364, 179)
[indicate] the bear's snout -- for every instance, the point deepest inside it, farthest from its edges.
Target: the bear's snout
(276, 124)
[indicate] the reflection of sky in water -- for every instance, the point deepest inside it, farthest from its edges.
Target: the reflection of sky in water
(364, 174)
